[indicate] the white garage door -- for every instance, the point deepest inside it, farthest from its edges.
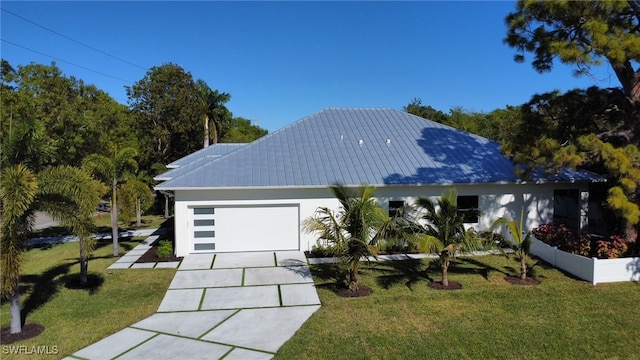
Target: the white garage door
(245, 228)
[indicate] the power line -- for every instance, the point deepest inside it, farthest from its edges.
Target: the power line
(67, 62)
(75, 41)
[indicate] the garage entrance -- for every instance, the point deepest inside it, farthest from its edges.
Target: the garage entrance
(232, 228)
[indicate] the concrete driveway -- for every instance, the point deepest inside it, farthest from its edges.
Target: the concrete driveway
(221, 306)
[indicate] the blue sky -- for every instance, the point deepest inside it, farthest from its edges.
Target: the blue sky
(281, 61)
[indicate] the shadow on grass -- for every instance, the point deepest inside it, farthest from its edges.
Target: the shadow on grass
(329, 276)
(485, 269)
(44, 286)
(407, 272)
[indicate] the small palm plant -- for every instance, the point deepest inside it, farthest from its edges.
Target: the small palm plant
(520, 243)
(353, 229)
(444, 232)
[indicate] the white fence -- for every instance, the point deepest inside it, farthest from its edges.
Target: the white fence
(590, 269)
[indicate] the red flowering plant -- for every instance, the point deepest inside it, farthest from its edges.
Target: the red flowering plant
(611, 248)
(563, 238)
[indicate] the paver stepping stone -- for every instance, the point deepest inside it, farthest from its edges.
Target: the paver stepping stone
(262, 329)
(277, 275)
(181, 300)
(142, 265)
(167, 264)
(291, 258)
(172, 347)
(206, 278)
(128, 259)
(242, 260)
(244, 354)
(299, 294)
(191, 324)
(240, 297)
(120, 265)
(197, 261)
(115, 344)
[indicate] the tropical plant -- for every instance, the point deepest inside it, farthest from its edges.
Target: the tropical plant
(66, 193)
(444, 230)
(112, 171)
(519, 242)
(352, 229)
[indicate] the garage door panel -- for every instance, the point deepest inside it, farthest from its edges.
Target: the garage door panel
(248, 228)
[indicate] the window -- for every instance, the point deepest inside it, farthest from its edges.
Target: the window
(566, 207)
(207, 222)
(204, 234)
(468, 208)
(205, 246)
(203, 211)
(394, 206)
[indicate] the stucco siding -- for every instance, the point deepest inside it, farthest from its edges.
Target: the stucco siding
(494, 200)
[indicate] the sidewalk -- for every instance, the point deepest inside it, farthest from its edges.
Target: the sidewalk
(220, 306)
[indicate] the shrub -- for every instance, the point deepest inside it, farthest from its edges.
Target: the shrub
(165, 249)
(614, 247)
(564, 239)
(320, 250)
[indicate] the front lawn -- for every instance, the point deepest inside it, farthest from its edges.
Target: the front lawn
(76, 318)
(562, 318)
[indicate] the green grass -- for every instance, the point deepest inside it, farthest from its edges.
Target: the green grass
(562, 318)
(76, 318)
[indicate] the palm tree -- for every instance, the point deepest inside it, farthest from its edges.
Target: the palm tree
(353, 229)
(520, 242)
(68, 194)
(444, 231)
(216, 111)
(112, 171)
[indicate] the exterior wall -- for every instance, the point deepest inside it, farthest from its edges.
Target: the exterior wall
(494, 200)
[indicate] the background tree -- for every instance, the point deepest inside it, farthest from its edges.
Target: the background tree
(169, 111)
(113, 171)
(240, 130)
(68, 194)
(134, 198)
(217, 116)
(444, 230)
(586, 34)
(69, 119)
(497, 125)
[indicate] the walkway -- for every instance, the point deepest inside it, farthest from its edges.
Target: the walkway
(221, 306)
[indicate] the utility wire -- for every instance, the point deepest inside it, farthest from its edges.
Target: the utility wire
(67, 62)
(75, 41)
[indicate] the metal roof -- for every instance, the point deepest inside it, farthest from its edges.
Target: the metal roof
(355, 146)
(196, 159)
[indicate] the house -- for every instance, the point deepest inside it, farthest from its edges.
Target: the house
(255, 196)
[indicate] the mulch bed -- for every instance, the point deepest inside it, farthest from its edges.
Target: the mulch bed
(345, 292)
(29, 331)
(151, 256)
(453, 285)
(515, 280)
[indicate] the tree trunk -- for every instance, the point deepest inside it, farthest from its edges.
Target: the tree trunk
(215, 133)
(84, 264)
(114, 217)
(138, 213)
(166, 207)
(353, 280)
(523, 267)
(206, 131)
(16, 317)
(445, 272)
